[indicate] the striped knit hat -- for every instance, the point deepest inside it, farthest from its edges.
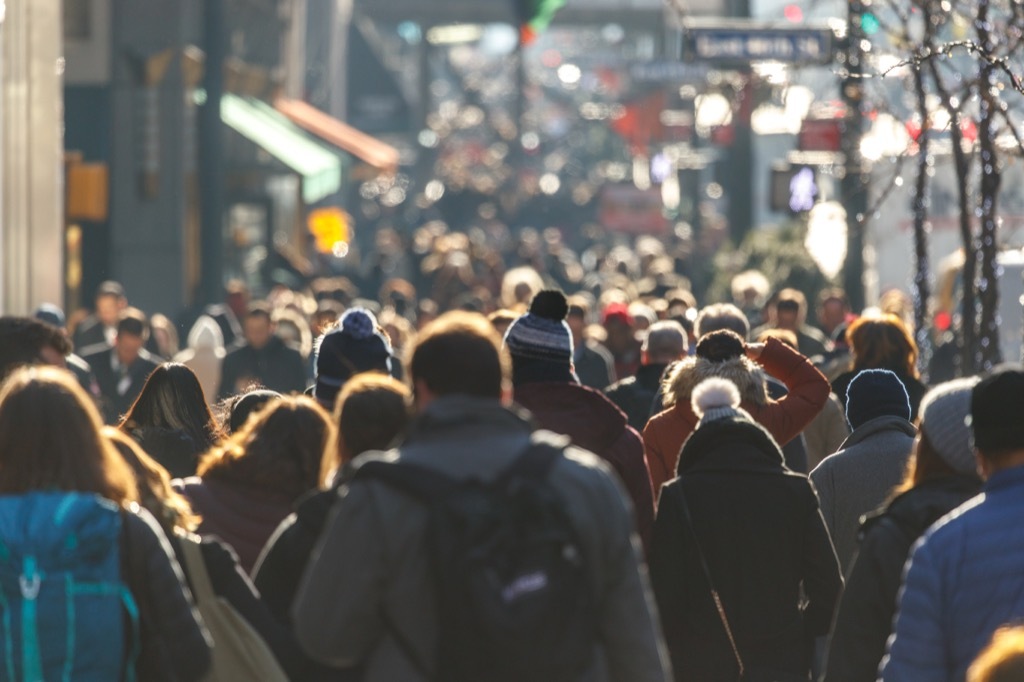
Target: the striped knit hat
(542, 333)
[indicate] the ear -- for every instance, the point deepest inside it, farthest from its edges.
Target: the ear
(984, 466)
(422, 396)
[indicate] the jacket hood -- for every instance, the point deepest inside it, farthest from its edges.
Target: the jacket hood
(684, 376)
(585, 415)
(734, 443)
(873, 427)
(206, 334)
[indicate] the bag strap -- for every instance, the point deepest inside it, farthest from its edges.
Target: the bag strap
(711, 583)
(195, 565)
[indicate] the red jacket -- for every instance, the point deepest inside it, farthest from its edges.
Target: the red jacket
(594, 423)
(784, 419)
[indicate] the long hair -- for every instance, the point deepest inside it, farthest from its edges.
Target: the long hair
(925, 463)
(279, 449)
(169, 507)
(173, 399)
(883, 342)
(50, 439)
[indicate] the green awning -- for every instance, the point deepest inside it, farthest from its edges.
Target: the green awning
(319, 167)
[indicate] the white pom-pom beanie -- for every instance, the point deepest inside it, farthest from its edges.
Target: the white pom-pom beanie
(715, 399)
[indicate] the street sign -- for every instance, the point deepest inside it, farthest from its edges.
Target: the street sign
(737, 42)
(667, 72)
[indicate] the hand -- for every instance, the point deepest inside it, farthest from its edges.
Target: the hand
(754, 350)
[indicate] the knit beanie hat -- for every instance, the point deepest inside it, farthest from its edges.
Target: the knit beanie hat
(995, 410)
(542, 333)
(876, 393)
(715, 399)
(356, 345)
(944, 412)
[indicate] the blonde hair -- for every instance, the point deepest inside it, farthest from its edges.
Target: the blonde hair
(1002, 660)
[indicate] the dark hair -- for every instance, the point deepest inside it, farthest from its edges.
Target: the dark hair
(133, 321)
(173, 399)
(170, 508)
(260, 309)
(50, 439)
(22, 339)
(460, 353)
(791, 300)
(279, 450)
(371, 412)
(720, 346)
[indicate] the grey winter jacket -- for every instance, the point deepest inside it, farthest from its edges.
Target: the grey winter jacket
(857, 479)
(367, 597)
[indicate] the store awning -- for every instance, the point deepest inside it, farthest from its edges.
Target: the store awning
(319, 167)
(364, 147)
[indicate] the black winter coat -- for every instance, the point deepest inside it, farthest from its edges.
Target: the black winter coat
(275, 366)
(281, 566)
(173, 644)
(635, 395)
(764, 540)
(865, 617)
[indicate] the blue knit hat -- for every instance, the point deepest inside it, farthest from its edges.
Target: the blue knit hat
(356, 345)
(542, 333)
(876, 393)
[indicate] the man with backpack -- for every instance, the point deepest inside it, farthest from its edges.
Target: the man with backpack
(479, 550)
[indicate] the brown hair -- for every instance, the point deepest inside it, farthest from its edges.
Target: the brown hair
(156, 495)
(1002, 660)
(460, 353)
(280, 448)
(925, 463)
(371, 412)
(883, 342)
(50, 439)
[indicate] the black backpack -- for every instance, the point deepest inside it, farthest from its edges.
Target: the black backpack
(514, 596)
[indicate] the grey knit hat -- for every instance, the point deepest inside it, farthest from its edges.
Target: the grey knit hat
(715, 399)
(944, 413)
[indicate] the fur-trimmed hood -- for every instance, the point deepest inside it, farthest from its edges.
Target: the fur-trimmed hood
(684, 376)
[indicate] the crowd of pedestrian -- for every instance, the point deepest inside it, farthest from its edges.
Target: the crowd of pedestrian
(475, 476)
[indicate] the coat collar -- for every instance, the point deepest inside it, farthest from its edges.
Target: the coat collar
(731, 444)
(878, 425)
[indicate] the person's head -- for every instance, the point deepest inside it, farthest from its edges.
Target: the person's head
(173, 399)
(1002, 660)
(50, 439)
(110, 301)
(943, 444)
(169, 507)
(620, 327)
(52, 315)
(833, 309)
(132, 332)
(459, 353)
(750, 289)
(25, 341)
(722, 345)
(722, 316)
(327, 314)
(883, 342)
(280, 449)
(996, 424)
(577, 318)
(258, 325)
(355, 346)
(244, 405)
(790, 309)
(875, 393)
(372, 412)
(540, 342)
(664, 343)
(786, 336)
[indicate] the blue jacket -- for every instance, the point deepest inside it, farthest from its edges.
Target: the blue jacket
(965, 579)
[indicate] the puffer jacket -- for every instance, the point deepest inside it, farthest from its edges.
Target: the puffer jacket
(864, 618)
(784, 419)
(594, 423)
(766, 546)
(965, 579)
(369, 586)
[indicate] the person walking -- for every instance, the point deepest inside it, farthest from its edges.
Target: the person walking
(370, 598)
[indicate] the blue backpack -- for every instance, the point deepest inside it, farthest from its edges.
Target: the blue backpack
(64, 608)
